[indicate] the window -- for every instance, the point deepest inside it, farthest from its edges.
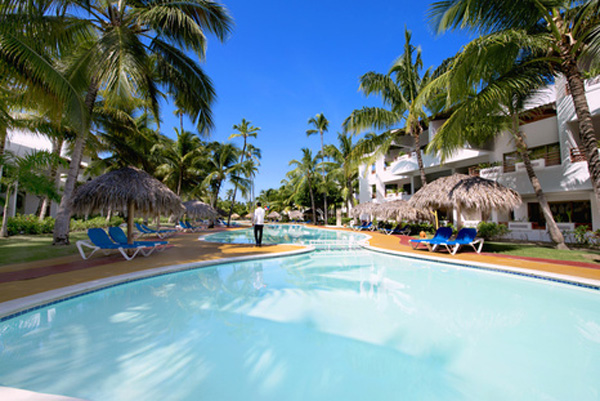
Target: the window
(373, 170)
(578, 212)
(373, 191)
(391, 189)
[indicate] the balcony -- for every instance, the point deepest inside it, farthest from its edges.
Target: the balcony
(408, 163)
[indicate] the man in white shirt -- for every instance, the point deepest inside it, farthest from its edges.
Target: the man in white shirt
(259, 221)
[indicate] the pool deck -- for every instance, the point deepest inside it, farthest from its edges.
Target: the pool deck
(36, 282)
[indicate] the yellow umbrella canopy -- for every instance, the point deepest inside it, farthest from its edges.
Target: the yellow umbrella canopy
(200, 210)
(130, 190)
(462, 191)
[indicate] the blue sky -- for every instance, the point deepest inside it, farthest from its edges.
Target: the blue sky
(286, 61)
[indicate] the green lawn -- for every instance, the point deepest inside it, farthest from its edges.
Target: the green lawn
(28, 248)
(536, 251)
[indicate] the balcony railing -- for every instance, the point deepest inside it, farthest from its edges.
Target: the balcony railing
(577, 155)
(549, 159)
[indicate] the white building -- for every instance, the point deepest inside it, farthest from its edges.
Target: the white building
(552, 137)
(21, 143)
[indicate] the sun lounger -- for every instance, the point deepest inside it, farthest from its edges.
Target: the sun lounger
(442, 234)
(145, 230)
(397, 230)
(466, 236)
(99, 240)
(365, 226)
(189, 226)
(119, 237)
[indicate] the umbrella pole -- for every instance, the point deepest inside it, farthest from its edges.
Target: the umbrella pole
(130, 211)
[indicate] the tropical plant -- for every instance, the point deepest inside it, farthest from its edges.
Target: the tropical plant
(564, 34)
(134, 49)
(183, 161)
(28, 173)
(345, 166)
(320, 124)
(304, 175)
(223, 165)
(245, 131)
(505, 84)
(402, 91)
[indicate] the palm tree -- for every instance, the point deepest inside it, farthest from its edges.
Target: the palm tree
(346, 162)
(137, 47)
(401, 89)
(566, 36)
(28, 173)
(246, 130)
(320, 124)
(182, 161)
(304, 174)
(223, 165)
(497, 108)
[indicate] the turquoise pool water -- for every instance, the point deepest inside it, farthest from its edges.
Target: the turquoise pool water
(353, 325)
(285, 234)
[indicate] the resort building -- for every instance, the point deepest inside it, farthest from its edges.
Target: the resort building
(558, 159)
(21, 143)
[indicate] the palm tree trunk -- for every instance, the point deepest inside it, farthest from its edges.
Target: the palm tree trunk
(312, 200)
(324, 179)
(46, 203)
(586, 127)
(63, 216)
(417, 139)
(555, 234)
(3, 229)
(3, 136)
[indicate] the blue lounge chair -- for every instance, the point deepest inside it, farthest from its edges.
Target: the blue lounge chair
(119, 236)
(99, 240)
(365, 226)
(466, 236)
(398, 231)
(145, 230)
(442, 234)
(189, 226)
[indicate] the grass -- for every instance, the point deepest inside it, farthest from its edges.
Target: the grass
(29, 248)
(544, 252)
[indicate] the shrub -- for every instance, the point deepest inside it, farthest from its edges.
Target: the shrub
(418, 227)
(29, 224)
(581, 235)
(96, 222)
(489, 230)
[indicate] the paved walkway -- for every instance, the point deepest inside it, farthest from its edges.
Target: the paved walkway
(21, 280)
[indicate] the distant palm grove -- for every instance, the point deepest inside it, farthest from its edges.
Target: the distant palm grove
(91, 74)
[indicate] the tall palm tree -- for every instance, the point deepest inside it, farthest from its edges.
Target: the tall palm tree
(137, 48)
(245, 130)
(401, 89)
(505, 84)
(223, 165)
(568, 40)
(346, 162)
(320, 124)
(182, 161)
(304, 174)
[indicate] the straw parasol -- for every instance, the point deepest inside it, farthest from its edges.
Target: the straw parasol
(400, 210)
(129, 190)
(274, 215)
(295, 215)
(235, 216)
(249, 216)
(200, 210)
(364, 208)
(462, 191)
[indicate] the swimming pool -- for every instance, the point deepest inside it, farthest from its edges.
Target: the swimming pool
(287, 234)
(352, 325)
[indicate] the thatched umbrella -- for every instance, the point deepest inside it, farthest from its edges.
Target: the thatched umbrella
(130, 190)
(249, 216)
(364, 208)
(235, 216)
(274, 215)
(400, 210)
(200, 210)
(295, 215)
(462, 191)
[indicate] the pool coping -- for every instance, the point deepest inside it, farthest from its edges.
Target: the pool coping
(19, 306)
(497, 268)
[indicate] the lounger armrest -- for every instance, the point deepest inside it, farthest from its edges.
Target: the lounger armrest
(85, 243)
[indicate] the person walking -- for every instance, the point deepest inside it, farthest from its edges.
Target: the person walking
(259, 221)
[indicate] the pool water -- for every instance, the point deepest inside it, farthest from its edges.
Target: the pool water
(352, 325)
(285, 234)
